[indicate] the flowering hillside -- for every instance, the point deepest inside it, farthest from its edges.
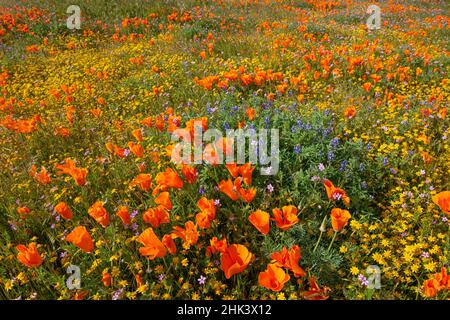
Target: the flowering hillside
(239, 149)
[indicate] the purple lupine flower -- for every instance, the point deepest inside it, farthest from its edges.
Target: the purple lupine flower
(297, 149)
(343, 165)
(330, 155)
(334, 142)
(133, 214)
(201, 190)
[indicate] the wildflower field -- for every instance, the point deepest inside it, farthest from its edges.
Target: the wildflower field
(99, 201)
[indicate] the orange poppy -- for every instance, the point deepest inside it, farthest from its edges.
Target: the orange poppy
(442, 200)
(167, 240)
(286, 217)
(235, 259)
(139, 281)
(189, 173)
(203, 220)
(246, 171)
(289, 260)
(29, 256)
(153, 247)
(334, 193)
(106, 279)
(23, 211)
(273, 278)
(339, 218)
(247, 195)
(166, 180)
(124, 215)
(216, 246)
(315, 292)
(42, 177)
(143, 180)
(229, 189)
(99, 213)
(233, 169)
(207, 206)
(350, 112)
(137, 134)
(81, 238)
(430, 288)
(250, 113)
(164, 200)
(78, 174)
(189, 234)
(260, 219)
(136, 149)
(156, 216)
(63, 210)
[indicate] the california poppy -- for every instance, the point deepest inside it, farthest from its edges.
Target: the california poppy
(229, 189)
(63, 210)
(189, 173)
(137, 134)
(29, 256)
(167, 240)
(189, 234)
(106, 279)
(42, 177)
(207, 206)
(339, 218)
(216, 246)
(286, 217)
(99, 213)
(430, 288)
(273, 278)
(246, 171)
(334, 193)
(166, 180)
(81, 238)
(153, 247)
(124, 215)
(235, 259)
(233, 169)
(69, 167)
(289, 260)
(350, 112)
(164, 199)
(136, 149)
(143, 180)
(156, 216)
(247, 194)
(315, 292)
(442, 199)
(260, 219)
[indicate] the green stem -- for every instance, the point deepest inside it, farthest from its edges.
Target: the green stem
(332, 240)
(318, 241)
